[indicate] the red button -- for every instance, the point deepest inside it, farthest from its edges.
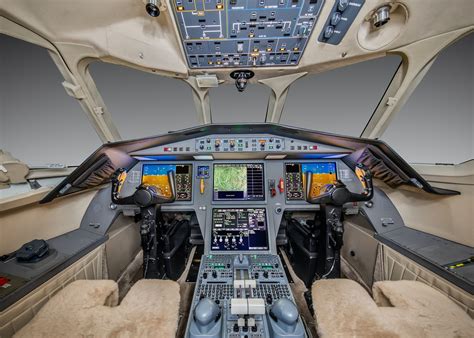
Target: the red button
(281, 185)
(3, 281)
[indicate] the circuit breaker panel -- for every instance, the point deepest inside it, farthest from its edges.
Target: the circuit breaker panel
(247, 33)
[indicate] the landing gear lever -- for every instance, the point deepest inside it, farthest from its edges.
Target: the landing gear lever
(149, 199)
(332, 198)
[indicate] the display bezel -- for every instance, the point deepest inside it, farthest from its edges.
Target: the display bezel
(267, 230)
(175, 165)
(246, 164)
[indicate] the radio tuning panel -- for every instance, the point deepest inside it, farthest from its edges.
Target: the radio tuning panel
(242, 33)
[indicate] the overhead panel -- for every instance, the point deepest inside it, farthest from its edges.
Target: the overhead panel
(235, 33)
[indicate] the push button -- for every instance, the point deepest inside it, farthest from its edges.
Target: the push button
(4, 281)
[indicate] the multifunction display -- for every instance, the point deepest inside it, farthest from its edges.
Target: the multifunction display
(295, 176)
(239, 182)
(157, 175)
(234, 33)
(239, 229)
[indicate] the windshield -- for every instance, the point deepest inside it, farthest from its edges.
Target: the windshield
(39, 124)
(340, 101)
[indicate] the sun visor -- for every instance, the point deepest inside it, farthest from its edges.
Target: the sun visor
(94, 172)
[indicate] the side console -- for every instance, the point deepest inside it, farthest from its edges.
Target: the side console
(243, 295)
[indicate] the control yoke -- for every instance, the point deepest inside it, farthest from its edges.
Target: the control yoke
(149, 198)
(145, 195)
(331, 198)
(337, 194)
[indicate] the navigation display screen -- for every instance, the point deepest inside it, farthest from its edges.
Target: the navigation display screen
(239, 229)
(239, 181)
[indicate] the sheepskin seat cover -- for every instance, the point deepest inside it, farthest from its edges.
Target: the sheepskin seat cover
(343, 308)
(89, 308)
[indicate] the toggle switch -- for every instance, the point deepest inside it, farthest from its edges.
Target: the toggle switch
(272, 187)
(202, 186)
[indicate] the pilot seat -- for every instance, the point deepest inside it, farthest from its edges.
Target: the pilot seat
(90, 308)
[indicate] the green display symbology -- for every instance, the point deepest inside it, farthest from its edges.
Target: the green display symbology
(230, 178)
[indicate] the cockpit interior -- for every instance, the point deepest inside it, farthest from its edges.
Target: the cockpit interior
(247, 229)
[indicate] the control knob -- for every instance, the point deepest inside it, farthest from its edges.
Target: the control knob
(336, 17)
(328, 32)
(342, 5)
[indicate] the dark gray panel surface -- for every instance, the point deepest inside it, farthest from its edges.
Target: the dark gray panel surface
(99, 216)
(346, 17)
(66, 249)
(381, 213)
(433, 253)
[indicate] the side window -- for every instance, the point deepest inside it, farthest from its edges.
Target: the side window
(144, 104)
(436, 123)
(39, 122)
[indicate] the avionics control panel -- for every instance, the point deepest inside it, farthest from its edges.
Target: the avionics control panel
(235, 33)
(238, 144)
(245, 288)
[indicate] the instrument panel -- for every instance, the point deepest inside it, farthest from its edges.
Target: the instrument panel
(244, 171)
(224, 182)
(234, 33)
